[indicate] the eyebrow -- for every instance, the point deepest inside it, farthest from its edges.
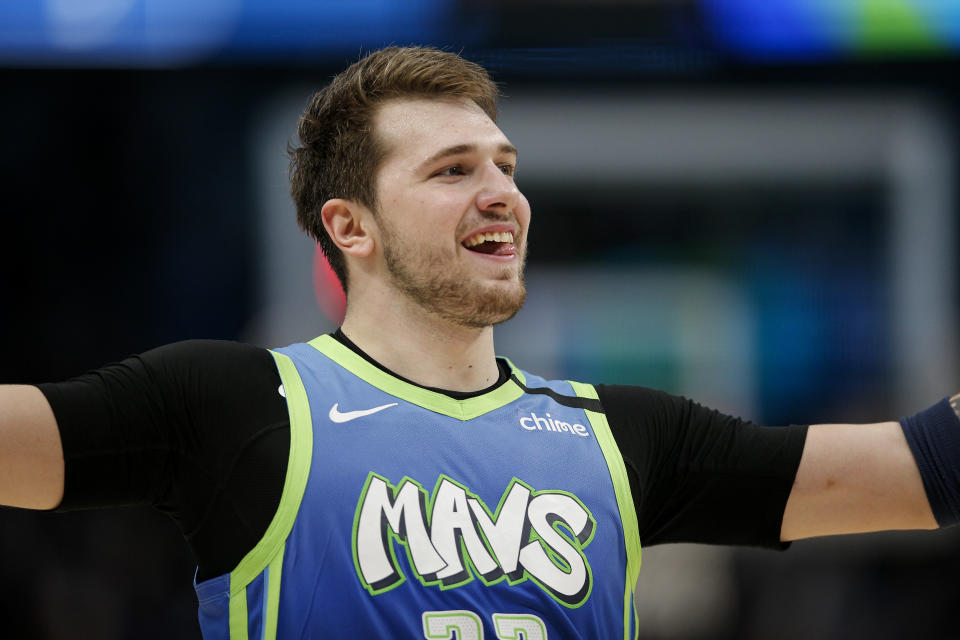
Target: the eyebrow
(460, 149)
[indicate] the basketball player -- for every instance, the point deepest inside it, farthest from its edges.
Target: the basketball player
(397, 480)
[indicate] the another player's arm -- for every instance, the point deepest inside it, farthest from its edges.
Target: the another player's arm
(857, 478)
(31, 456)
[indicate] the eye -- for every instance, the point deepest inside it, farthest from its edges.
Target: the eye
(508, 169)
(455, 170)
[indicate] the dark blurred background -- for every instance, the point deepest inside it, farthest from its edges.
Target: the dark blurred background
(750, 203)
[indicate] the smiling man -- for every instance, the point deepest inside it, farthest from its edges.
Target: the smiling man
(395, 479)
(444, 239)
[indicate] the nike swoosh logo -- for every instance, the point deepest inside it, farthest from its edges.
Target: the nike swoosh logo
(347, 416)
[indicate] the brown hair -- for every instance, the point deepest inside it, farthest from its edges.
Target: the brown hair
(339, 153)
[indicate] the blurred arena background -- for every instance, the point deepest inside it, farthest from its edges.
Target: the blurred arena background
(757, 199)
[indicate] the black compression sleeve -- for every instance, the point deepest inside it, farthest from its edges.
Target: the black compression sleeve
(698, 475)
(197, 429)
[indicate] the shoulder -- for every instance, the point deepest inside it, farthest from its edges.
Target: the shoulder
(621, 400)
(170, 373)
(629, 396)
(204, 371)
(205, 363)
(206, 354)
(612, 393)
(647, 422)
(630, 410)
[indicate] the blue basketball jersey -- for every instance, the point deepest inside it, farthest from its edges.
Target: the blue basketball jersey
(408, 514)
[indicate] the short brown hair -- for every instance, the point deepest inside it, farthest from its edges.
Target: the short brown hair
(339, 154)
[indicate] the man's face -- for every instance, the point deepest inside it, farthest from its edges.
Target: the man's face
(453, 223)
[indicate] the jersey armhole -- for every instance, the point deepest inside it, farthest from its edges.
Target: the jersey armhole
(625, 504)
(268, 553)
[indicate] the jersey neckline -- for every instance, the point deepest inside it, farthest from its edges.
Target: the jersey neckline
(461, 409)
(503, 368)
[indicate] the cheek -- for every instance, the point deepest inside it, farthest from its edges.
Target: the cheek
(438, 212)
(443, 210)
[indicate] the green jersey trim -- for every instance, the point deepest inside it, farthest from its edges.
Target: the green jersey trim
(270, 547)
(467, 409)
(238, 615)
(272, 605)
(621, 487)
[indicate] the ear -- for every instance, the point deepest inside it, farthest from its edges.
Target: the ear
(349, 225)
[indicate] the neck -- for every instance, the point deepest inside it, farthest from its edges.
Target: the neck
(422, 347)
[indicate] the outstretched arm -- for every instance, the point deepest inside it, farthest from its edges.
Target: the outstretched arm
(31, 457)
(857, 478)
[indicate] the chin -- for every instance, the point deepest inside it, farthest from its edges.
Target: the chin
(498, 306)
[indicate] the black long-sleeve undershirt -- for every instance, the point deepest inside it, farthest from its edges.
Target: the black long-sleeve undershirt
(199, 430)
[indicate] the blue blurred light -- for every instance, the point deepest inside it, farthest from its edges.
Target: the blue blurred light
(794, 29)
(165, 32)
(800, 30)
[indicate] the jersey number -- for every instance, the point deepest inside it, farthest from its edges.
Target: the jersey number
(441, 625)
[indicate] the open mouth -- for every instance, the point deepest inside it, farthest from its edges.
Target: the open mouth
(492, 244)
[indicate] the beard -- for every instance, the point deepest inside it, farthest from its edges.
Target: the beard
(426, 276)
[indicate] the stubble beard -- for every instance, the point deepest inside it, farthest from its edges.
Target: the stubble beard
(423, 274)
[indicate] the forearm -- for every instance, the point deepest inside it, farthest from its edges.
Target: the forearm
(31, 457)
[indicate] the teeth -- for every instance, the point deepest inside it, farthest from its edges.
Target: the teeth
(480, 238)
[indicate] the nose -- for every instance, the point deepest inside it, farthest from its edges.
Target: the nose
(498, 191)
